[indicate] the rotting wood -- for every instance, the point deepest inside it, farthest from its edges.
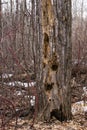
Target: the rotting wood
(50, 63)
(59, 99)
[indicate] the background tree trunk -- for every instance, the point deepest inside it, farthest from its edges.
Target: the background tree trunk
(0, 40)
(0, 19)
(64, 39)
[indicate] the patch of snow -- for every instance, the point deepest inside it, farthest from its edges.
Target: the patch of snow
(80, 103)
(85, 108)
(85, 88)
(79, 107)
(18, 83)
(32, 84)
(32, 99)
(26, 96)
(84, 95)
(32, 102)
(6, 75)
(18, 93)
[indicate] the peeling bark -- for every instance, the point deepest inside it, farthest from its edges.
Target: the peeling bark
(50, 61)
(58, 99)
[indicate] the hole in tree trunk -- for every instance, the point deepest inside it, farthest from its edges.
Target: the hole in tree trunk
(48, 86)
(58, 114)
(45, 56)
(54, 67)
(46, 38)
(44, 65)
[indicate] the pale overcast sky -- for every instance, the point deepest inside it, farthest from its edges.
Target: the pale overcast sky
(76, 5)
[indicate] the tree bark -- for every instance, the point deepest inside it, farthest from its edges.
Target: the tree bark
(0, 21)
(0, 39)
(64, 39)
(58, 99)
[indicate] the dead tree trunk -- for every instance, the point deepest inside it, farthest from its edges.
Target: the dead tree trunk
(0, 19)
(0, 39)
(57, 104)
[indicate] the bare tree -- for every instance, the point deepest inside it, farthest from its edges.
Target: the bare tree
(58, 95)
(0, 39)
(64, 30)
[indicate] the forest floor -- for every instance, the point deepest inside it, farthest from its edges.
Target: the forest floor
(79, 112)
(78, 122)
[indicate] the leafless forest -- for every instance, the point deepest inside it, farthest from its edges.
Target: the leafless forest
(21, 58)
